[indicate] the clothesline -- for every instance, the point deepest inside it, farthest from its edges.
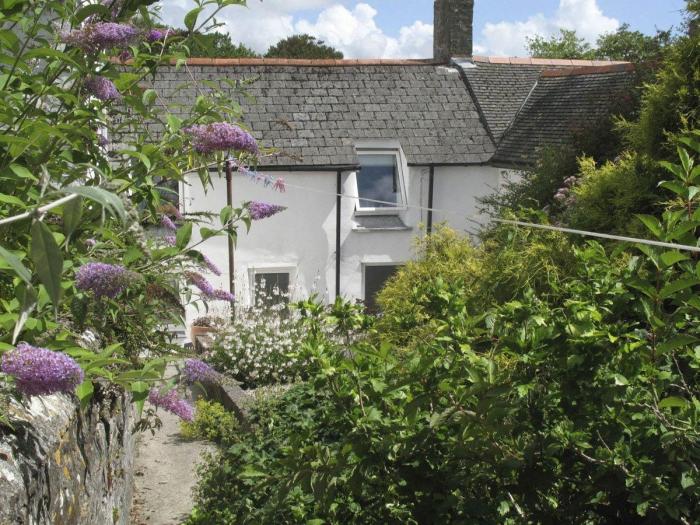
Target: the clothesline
(484, 219)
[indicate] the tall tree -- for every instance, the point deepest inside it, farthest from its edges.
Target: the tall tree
(567, 44)
(302, 46)
(632, 46)
(218, 45)
(622, 44)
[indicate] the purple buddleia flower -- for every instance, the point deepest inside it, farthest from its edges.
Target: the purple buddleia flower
(170, 240)
(167, 223)
(171, 402)
(102, 88)
(197, 371)
(158, 34)
(198, 280)
(221, 136)
(262, 210)
(103, 280)
(102, 140)
(224, 295)
(39, 371)
(213, 268)
(207, 289)
(101, 35)
(125, 55)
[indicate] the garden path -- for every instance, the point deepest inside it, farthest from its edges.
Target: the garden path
(165, 469)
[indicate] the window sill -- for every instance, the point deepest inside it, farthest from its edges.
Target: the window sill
(380, 223)
(369, 212)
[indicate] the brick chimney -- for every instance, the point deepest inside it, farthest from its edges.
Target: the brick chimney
(454, 20)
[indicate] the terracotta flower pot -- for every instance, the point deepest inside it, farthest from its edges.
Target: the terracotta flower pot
(198, 331)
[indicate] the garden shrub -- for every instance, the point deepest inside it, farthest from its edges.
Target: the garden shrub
(92, 245)
(606, 198)
(259, 346)
(509, 260)
(577, 404)
(534, 188)
(211, 422)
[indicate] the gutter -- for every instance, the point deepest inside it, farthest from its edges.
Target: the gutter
(431, 185)
(338, 202)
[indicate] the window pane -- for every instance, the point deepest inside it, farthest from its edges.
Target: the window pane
(378, 180)
(375, 278)
(272, 287)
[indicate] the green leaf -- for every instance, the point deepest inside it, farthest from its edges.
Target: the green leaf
(72, 213)
(22, 172)
(250, 472)
(652, 224)
(687, 480)
(90, 10)
(174, 123)
(27, 297)
(11, 199)
(132, 255)
(149, 97)
(676, 342)
(673, 402)
(184, 234)
(191, 18)
(620, 380)
(225, 215)
(207, 233)
(16, 265)
(47, 259)
(107, 199)
(676, 286)
(672, 257)
(84, 392)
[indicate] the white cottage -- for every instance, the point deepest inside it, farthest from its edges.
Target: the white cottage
(369, 147)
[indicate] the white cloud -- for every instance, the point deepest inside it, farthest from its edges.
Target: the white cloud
(352, 31)
(356, 34)
(510, 38)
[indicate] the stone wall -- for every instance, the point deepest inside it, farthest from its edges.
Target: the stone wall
(65, 465)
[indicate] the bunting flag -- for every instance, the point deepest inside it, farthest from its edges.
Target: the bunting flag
(275, 183)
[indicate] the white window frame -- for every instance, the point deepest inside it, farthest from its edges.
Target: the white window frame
(402, 169)
(270, 268)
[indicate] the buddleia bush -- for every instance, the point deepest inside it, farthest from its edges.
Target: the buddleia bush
(96, 258)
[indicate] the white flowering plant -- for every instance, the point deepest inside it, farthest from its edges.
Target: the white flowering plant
(259, 346)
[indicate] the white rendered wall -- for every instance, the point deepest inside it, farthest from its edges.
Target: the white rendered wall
(303, 238)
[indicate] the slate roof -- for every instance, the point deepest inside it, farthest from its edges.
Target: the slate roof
(502, 84)
(563, 103)
(483, 110)
(314, 112)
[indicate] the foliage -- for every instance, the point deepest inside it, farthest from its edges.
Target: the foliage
(632, 46)
(567, 44)
(577, 404)
(507, 262)
(534, 188)
(83, 180)
(218, 45)
(606, 198)
(622, 44)
(302, 46)
(670, 103)
(258, 346)
(212, 422)
(607, 157)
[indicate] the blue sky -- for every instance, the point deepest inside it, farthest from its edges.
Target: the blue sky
(403, 28)
(643, 15)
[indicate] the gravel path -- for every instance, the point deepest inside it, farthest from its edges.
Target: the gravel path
(165, 474)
